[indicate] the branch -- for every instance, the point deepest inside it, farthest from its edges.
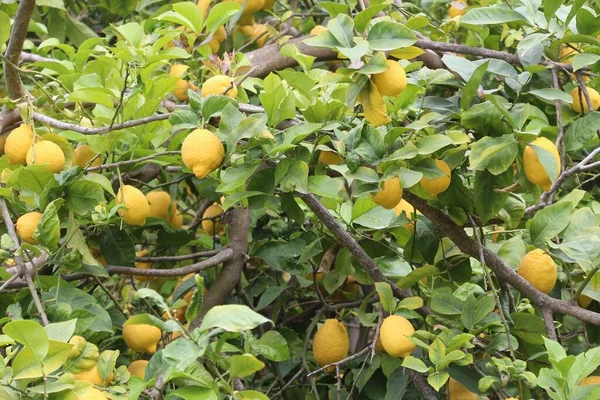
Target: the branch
(222, 256)
(95, 131)
(14, 86)
(134, 161)
(346, 240)
(560, 144)
(502, 271)
(30, 57)
(208, 253)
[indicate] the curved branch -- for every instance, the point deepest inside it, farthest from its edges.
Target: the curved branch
(14, 86)
(134, 161)
(502, 271)
(95, 131)
(208, 253)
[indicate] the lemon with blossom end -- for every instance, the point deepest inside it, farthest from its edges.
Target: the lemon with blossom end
(202, 152)
(26, 226)
(136, 205)
(390, 195)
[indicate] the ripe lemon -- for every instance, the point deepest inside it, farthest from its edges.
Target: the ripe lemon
(214, 45)
(455, 11)
(269, 4)
(180, 315)
(395, 333)
(317, 29)
(539, 269)
(26, 226)
(579, 103)
(329, 158)
(136, 206)
(176, 219)
(18, 143)
(83, 155)
(220, 34)
(406, 208)
(202, 152)
(138, 368)
(251, 6)
(217, 84)
(48, 154)
(209, 224)
(203, 5)
(378, 346)
(392, 81)
(93, 394)
(439, 185)
(256, 31)
(143, 265)
(93, 376)
(159, 203)
(584, 301)
(590, 380)
(331, 343)
(456, 391)
(246, 20)
(181, 87)
(390, 195)
(534, 170)
(567, 51)
(141, 338)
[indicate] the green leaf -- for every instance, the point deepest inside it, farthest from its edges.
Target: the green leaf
(437, 351)
(117, 247)
(488, 202)
(386, 297)
(432, 143)
(295, 178)
(153, 298)
(472, 86)
(244, 365)
(389, 35)
(220, 14)
(550, 7)
(582, 60)
(494, 154)
(232, 318)
(30, 334)
(323, 185)
(192, 393)
(397, 383)
(132, 32)
(528, 327)
(48, 231)
(273, 346)
(92, 95)
(291, 208)
(492, 16)
(416, 275)
(411, 303)
(446, 304)
(438, 379)
(549, 222)
(341, 28)
(551, 94)
(5, 27)
(82, 196)
(415, 364)
(279, 103)
(475, 310)
(251, 395)
(61, 331)
(363, 18)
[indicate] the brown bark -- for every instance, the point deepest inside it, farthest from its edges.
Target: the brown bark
(14, 86)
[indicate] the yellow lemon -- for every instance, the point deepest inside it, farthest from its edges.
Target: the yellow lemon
(406, 208)
(48, 154)
(136, 206)
(455, 11)
(331, 343)
(584, 301)
(176, 218)
(390, 195)
(378, 346)
(217, 85)
(251, 6)
(143, 265)
(566, 53)
(395, 333)
(317, 29)
(202, 152)
(180, 315)
(392, 81)
(93, 376)
(439, 185)
(83, 155)
(203, 5)
(159, 202)
(141, 338)
(330, 158)
(18, 143)
(138, 368)
(269, 4)
(26, 226)
(534, 170)
(590, 380)
(220, 34)
(456, 391)
(539, 269)
(209, 218)
(256, 31)
(181, 87)
(214, 45)
(579, 103)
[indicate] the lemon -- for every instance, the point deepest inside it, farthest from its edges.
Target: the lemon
(26, 226)
(256, 31)
(2, 143)
(392, 81)
(47, 154)
(203, 5)
(269, 4)
(202, 152)
(378, 346)
(175, 219)
(159, 203)
(579, 103)
(534, 170)
(180, 315)
(209, 224)
(317, 29)
(136, 206)
(329, 158)
(246, 20)
(539, 269)
(395, 333)
(214, 45)
(390, 195)
(18, 143)
(138, 368)
(181, 86)
(455, 11)
(220, 34)
(439, 185)
(584, 301)
(83, 355)
(83, 155)
(143, 265)
(456, 391)
(566, 53)
(217, 84)
(141, 338)
(93, 394)
(251, 6)
(93, 376)
(331, 343)
(590, 380)
(406, 208)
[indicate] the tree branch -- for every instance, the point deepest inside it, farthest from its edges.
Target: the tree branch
(134, 161)
(95, 131)
(14, 86)
(208, 253)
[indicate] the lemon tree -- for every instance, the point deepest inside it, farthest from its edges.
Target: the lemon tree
(299, 200)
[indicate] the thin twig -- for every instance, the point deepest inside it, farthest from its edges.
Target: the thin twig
(134, 161)
(199, 254)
